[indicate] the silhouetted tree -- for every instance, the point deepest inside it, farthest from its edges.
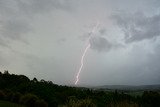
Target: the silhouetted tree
(6, 72)
(35, 80)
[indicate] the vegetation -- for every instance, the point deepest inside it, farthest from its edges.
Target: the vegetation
(33, 93)
(9, 104)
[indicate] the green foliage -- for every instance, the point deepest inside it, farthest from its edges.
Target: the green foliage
(16, 97)
(9, 104)
(28, 100)
(40, 103)
(151, 99)
(80, 103)
(34, 93)
(2, 95)
(123, 104)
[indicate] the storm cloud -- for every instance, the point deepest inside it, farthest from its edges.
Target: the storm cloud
(100, 44)
(16, 16)
(46, 39)
(138, 26)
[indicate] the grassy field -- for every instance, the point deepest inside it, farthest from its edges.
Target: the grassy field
(9, 104)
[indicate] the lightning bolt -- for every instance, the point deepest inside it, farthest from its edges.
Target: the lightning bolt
(84, 53)
(82, 60)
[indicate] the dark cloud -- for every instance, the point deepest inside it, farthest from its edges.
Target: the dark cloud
(145, 69)
(16, 16)
(39, 6)
(100, 44)
(138, 26)
(14, 28)
(2, 60)
(62, 40)
(103, 31)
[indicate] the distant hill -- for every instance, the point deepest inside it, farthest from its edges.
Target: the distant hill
(129, 87)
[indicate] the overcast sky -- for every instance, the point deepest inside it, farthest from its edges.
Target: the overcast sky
(46, 38)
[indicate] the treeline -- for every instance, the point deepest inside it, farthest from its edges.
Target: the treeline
(33, 93)
(29, 100)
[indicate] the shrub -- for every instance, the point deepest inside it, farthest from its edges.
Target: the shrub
(123, 104)
(16, 97)
(28, 100)
(81, 103)
(41, 103)
(2, 95)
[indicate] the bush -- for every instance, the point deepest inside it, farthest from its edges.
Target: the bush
(150, 99)
(16, 97)
(2, 95)
(123, 104)
(29, 100)
(80, 103)
(41, 103)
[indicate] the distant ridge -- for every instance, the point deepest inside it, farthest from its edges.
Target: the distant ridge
(130, 87)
